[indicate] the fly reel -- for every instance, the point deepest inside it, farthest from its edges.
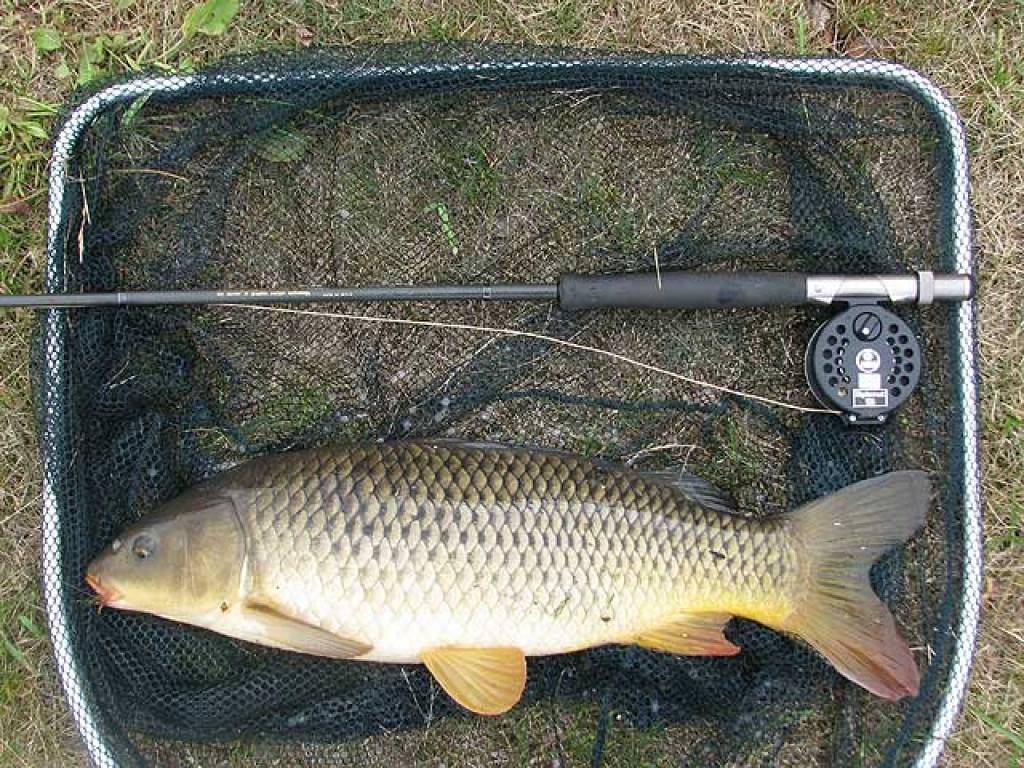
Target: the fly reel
(865, 362)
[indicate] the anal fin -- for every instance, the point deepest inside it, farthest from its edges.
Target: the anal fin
(487, 681)
(694, 634)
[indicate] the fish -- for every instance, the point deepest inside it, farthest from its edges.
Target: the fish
(470, 557)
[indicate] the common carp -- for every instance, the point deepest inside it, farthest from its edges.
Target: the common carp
(470, 557)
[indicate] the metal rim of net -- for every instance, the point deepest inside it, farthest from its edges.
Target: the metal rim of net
(54, 405)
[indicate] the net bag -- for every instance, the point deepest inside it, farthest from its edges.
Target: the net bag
(416, 165)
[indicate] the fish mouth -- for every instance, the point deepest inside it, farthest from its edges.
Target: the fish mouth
(107, 595)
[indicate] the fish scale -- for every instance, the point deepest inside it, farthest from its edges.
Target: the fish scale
(484, 546)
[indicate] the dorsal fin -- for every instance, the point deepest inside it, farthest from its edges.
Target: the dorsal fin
(696, 489)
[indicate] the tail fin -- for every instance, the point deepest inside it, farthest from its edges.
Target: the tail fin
(840, 615)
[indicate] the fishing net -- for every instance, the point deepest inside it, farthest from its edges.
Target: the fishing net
(415, 165)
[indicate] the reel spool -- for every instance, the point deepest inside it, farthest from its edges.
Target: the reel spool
(864, 362)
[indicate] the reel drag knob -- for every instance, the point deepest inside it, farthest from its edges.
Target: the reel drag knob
(864, 362)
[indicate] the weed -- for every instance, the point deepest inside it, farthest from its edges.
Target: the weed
(741, 461)
(936, 43)
(601, 198)
(800, 32)
(444, 27)
(867, 17)
(23, 136)
(444, 219)
(587, 444)
(1014, 738)
(468, 167)
(46, 39)
(1003, 72)
(292, 412)
(1014, 536)
(568, 20)
(210, 18)
(611, 213)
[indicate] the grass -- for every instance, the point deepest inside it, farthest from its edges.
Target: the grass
(974, 50)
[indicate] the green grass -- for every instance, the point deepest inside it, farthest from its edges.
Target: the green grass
(290, 412)
(469, 169)
(610, 207)
(974, 50)
(1014, 738)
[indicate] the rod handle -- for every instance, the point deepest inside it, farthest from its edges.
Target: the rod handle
(682, 290)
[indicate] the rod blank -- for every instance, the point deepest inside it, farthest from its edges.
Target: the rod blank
(643, 290)
(376, 293)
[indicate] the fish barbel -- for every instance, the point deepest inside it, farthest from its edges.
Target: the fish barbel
(470, 557)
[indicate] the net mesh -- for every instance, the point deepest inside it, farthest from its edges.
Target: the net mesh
(417, 165)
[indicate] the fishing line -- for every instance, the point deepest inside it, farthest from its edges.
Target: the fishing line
(512, 333)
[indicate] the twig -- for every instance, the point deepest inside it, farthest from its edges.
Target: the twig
(154, 171)
(633, 458)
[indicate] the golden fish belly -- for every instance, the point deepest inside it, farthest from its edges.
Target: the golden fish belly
(411, 546)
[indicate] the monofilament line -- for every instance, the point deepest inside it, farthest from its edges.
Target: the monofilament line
(512, 332)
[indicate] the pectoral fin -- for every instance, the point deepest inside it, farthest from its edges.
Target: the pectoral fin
(266, 625)
(488, 681)
(696, 634)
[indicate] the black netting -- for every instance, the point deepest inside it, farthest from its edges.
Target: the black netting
(357, 167)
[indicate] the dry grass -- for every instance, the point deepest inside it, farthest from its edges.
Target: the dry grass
(974, 50)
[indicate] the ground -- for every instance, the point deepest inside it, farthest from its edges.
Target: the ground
(974, 50)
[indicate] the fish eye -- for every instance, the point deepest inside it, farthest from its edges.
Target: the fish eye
(143, 546)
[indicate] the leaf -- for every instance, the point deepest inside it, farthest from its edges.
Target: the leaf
(16, 653)
(446, 227)
(46, 39)
(133, 110)
(63, 71)
(90, 65)
(123, 5)
(800, 32)
(97, 49)
(209, 18)
(33, 129)
(87, 71)
(30, 626)
(1012, 736)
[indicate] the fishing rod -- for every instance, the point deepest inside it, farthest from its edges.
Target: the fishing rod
(642, 290)
(863, 362)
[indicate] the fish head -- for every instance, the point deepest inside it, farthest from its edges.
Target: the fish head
(184, 561)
